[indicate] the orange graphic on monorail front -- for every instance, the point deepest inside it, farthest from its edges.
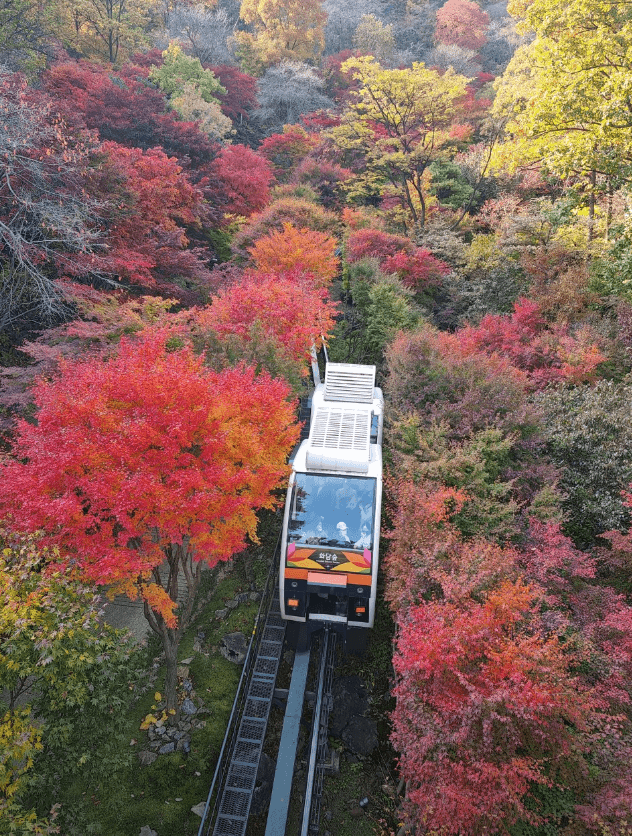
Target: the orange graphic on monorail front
(334, 561)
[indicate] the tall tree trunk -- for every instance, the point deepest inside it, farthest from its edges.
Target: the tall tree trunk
(591, 206)
(609, 209)
(171, 644)
(181, 566)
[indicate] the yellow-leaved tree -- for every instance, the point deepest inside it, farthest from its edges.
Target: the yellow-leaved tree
(397, 123)
(566, 94)
(109, 30)
(280, 29)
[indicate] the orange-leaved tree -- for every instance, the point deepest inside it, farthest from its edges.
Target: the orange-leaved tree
(146, 467)
(306, 249)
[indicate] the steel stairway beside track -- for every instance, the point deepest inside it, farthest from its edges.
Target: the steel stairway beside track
(234, 805)
(231, 793)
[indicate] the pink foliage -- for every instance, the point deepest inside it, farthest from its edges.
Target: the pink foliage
(441, 377)
(462, 23)
(550, 559)
(374, 243)
(416, 267)
(417, 270)
(547, 353)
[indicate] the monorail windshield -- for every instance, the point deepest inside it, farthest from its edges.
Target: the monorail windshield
(336, 511)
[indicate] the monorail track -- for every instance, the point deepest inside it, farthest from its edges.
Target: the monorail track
(232, 790)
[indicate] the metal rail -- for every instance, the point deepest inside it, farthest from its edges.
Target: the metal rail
(282, 786)
(230, 796)
(319, 750)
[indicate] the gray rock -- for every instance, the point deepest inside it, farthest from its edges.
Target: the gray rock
(146, 758)
(188, 707)
(221, 614)
(167, 748)
(243, 597)
(255, 596)
(234, 647)
(360, 736)
(176, 735)
(199, 809)
(187, 661)
(160, 731)
(263, 786)
(183, 745)
(350, 700)
(197, 646)
(147, 831)
(232, 605)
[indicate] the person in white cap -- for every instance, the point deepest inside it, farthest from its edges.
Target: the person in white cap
(343, 534)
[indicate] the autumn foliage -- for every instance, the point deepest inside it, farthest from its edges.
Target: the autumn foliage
(511, 657)
(500, 700)
(547, 353)
(462, 23)
(287, 306)
(145, 458)
(242, 179)
(124, 108)
(142, 478)
(286, 151)
(416, 267)
(438, 376)
(152, 202)
(307, 250)
(492, 713)
(241, 91)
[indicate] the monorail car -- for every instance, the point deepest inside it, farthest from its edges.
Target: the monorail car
(331, 526)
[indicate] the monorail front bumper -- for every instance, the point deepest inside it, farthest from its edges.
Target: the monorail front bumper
(331, 585)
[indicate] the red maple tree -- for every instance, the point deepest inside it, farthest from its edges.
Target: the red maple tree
(285, 151)
(240, 180)
(487, 710)
(144, 468)
(241, 91)
(151, 203)
(287, 306)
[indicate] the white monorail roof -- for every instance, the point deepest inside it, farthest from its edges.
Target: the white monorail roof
(350, 383)
(339, 439)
